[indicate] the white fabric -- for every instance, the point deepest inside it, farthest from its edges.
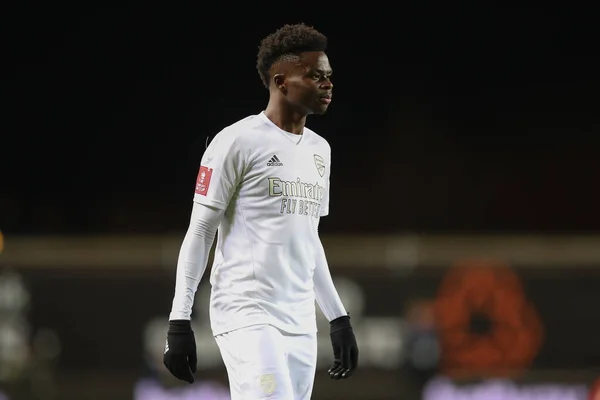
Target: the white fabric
(326, 294)
(272, 188)
(294, 137)
(265, 363)
(193, 257)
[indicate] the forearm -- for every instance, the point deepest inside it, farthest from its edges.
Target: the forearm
(193, 257)
(325, 292)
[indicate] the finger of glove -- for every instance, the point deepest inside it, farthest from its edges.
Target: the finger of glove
(337, 372)
(182, 371)
(179, 368)
(336, 366)
(193, 361)
(346, 358)
(342, 374)
(354, 357)
(347, 373)
(333, 366)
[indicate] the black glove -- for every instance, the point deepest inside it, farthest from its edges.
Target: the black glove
(180, 351)
(345, 349)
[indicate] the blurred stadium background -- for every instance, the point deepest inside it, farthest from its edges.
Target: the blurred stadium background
(464, 235)
(437, 317)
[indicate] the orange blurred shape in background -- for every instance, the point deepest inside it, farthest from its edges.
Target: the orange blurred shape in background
(486, 325)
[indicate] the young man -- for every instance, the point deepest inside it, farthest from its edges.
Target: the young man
(264, 184)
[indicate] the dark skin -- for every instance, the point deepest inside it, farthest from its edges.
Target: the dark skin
(300, 86)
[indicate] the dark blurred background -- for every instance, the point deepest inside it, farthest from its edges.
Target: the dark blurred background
(463, 139)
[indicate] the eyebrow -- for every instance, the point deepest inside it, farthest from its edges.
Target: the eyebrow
(324, 72)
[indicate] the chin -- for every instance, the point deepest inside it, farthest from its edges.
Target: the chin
(320, 110)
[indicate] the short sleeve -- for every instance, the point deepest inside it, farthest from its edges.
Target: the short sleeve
(324, 209)
(220, 172)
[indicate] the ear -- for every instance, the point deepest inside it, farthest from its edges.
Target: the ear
(280, 82)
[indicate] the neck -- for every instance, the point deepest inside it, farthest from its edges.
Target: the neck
(285, 117)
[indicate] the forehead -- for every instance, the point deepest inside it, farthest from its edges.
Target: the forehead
(315, 60)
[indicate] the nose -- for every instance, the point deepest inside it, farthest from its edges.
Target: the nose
(326, 84)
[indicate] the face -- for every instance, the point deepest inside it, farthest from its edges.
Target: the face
(306, 83)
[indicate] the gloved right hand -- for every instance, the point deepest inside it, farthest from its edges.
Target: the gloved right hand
(180, 350)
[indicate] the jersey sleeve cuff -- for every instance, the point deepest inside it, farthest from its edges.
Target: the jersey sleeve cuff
(177, 315)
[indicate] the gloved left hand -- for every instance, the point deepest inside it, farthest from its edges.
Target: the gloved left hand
(345, 349)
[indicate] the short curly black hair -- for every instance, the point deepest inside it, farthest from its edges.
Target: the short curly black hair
(287, 40)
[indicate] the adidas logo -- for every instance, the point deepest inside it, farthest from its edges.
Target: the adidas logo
(274, 162)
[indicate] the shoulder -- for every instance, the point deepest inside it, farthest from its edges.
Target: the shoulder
(241, 133)
(317, 140)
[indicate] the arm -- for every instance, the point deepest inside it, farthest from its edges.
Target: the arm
(343, 341)
(345, 348)
(193, 257)
(219, 175)
(325, 292)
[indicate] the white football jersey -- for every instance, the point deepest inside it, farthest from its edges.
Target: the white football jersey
(274, 187)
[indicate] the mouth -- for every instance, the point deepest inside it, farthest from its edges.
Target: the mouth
(325, 99)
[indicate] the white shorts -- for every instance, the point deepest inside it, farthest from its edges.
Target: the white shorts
(265, 363)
